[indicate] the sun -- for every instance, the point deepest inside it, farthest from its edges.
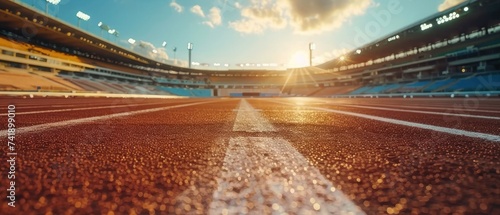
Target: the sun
(298, 59)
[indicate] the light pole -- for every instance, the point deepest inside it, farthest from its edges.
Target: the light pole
(312, 46)
(132, 42)
(103, 27)
(82, 16)
(113, 32)
(175, 58)
(54, 2)
(190, 47)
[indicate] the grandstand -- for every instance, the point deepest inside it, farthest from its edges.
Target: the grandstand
(456, 56)
(102, 129)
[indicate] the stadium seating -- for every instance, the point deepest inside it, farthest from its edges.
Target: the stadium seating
(245, 80)
(477, 83)
(338, 90)
(412, 87)
(482, 82)
(21, 79)
(360, 90)
(187, 92)
(437, 85)
(304, 91)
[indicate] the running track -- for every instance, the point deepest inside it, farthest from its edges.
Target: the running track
(256, 156)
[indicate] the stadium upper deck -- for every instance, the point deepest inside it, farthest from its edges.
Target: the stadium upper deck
(480, 14)
(470, 17)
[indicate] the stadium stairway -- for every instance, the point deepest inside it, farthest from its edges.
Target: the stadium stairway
(315, 91)
(446, 85)
(361, 90)
(54, 79)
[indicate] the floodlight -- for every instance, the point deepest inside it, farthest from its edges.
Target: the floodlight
(312, 46)
(466, 9)
(83, 16)
(103, 26)
(54, 2)
(190, 46)
(164, 44)
(131, 41)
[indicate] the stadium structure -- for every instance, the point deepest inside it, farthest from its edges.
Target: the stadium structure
(454, 52)
(405, 124)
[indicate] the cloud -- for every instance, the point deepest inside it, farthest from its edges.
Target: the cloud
(147, 49)
(177, 7)
(214, 17)
(319, 15)
(197, 10)
(449, 3)
(311, 16)
(237, 5)
(260, 16)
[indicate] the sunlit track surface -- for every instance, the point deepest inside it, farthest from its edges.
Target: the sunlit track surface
(256, 156)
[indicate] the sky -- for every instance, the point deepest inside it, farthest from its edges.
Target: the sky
(269, 34)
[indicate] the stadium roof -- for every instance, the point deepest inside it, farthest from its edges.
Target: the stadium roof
(479, 13)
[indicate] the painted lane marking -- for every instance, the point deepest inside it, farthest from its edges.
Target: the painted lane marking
(28, 106)
(435, 108)
(265, 175)
(42, 127)
(78, 109)
(490, 137)
(424, 112)
(250, 120)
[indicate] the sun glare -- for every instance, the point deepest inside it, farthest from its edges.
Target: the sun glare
(298, 59)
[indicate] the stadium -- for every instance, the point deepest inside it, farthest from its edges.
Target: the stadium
(407, 123)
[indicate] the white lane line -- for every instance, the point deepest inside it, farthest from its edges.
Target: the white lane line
(27, 106)
(424, 112)
(250, 120)
(78, 109)
(263, 175)
(437, 108)
(42, 127)
(453, 131)
(266, 175)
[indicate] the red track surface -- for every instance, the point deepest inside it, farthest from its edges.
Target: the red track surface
(170, 161)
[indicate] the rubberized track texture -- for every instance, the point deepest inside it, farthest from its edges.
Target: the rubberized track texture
(252, 156)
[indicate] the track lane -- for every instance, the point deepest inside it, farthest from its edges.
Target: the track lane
(473, 110)
(488, 126)
(127, 165)
(113, 106)
(169, 161)
(474, 122)
(386, 168)
(446, 109)
(40, 102)
(466, 103)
